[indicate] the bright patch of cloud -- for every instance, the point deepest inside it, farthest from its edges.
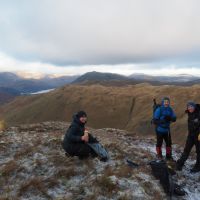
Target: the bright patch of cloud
(39, 69)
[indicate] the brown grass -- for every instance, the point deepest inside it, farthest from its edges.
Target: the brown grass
(108, 171)
(124, 197)
(124, 172)
(65, 172)
(60, 160)
(26, 151)
(112, 100)
(9, 168)
(9, 198)
(35, 184)
(106, 185)
(54, 142)
(37, 142)
(51, 182)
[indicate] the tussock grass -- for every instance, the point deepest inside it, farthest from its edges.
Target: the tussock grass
(65, 172)
(106, 185)
(26, 151)
(9, 168)
(36, 185)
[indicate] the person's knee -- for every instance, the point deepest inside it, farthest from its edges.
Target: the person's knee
(85, 150)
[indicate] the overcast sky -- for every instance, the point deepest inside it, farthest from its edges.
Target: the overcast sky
(119, 36)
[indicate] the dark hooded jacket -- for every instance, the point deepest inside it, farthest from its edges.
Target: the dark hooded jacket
(194, 121)
(74, 134)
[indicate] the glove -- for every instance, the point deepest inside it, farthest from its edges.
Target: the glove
(168, 118)
(196, 120)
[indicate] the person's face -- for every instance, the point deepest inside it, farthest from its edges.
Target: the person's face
(191, 109)
(166, 103)
(83, 119)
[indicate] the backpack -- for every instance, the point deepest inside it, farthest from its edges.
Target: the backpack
(99, 150)
(155, 107)
(162, 172)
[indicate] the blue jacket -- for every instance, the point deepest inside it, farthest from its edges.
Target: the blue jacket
(163, 124)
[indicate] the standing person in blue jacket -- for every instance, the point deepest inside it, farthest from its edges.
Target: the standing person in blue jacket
(163, 117)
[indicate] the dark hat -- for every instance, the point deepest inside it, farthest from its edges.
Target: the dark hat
(166, 98)
(81, 114)
(192, 104)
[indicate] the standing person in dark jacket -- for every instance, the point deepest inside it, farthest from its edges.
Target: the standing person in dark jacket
(163, 116)
(77, 137)
(193, 138)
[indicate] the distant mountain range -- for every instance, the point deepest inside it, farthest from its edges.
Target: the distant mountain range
(106, 78)
(12, 85)
(178, 78)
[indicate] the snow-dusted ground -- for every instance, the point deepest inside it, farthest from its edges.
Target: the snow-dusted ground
(189, 181)
(34, 166)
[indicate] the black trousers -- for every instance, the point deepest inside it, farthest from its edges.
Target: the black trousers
(165, 137)
(192, 140)
(81, 150)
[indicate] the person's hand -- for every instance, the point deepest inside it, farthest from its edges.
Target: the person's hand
(86, 132)
(196, 120)
(85, 138)
(168, 118)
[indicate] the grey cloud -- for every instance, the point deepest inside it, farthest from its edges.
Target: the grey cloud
(66, 32)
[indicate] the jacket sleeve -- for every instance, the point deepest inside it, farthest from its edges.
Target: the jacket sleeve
(173, 116)
(72, 134)
(156, 117)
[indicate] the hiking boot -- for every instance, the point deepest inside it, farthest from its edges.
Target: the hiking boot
(168, 153)
(179, 191)
(159, 153)
(195, 169)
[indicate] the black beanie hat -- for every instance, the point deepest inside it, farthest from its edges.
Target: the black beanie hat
(81, 114)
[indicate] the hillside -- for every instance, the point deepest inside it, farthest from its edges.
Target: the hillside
(7, 94)
(127, 107)
(34, 166)
(100, 77)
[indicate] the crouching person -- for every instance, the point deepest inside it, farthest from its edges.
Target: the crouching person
(79, 142)
(193, 138)
(163, 117)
